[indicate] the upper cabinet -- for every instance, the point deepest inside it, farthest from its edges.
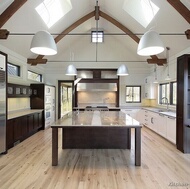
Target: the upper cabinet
(14, 90)
(149, 88)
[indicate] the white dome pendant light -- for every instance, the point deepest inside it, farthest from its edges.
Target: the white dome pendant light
(71, 70)
(122, 70)
(150, 44)
(43, 43)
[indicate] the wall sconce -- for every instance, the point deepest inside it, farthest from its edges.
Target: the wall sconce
(122, 70)
(43, 43)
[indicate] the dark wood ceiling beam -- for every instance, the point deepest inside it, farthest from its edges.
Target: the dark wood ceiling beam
(181, 8)
(187, 33)
(4, 33)
(123, 28)
(106, 17)
(4, 17)
(159, 62)
(36, 61)
(70, 28)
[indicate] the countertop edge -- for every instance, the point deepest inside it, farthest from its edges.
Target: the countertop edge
(20, 113)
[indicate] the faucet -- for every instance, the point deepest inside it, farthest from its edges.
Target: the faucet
(167, 102)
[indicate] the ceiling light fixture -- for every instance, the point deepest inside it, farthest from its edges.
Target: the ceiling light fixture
(122, 70)
(71, 70)
(150, 43)
(43, 43)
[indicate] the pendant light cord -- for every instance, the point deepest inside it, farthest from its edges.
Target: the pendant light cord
(96, 34)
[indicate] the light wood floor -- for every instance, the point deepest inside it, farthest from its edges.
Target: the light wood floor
(28, 165)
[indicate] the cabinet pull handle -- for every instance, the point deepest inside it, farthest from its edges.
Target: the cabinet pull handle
(1, 68)
(171, 117)
(161, 115)
(152, 120)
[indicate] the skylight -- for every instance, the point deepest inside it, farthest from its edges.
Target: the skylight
(52, 11)
(142, 11)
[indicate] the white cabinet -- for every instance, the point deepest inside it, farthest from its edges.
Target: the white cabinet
(171, 129)
(2, 62)
(153, 121)
(162, 125)
(149, 91)
(149, 88)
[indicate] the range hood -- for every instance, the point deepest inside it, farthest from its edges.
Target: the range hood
(96, 87)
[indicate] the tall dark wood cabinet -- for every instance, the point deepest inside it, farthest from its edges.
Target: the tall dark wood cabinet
(183, 103)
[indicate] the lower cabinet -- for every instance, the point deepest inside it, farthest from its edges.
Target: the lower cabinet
(162, 124)
(22, 127)
(171, 129)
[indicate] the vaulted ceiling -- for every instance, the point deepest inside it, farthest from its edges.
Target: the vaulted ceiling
(19, 21)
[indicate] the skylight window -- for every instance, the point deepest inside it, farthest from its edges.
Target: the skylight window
(97, 36)
(52, 11)
(142, 11)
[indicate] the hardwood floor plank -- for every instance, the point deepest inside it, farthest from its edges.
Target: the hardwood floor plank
(28, 166)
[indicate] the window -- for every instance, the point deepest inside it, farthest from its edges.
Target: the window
(97, 36)
(34, 76)
(173, 93)
(169, 91)
(133, 94)
(13, 70)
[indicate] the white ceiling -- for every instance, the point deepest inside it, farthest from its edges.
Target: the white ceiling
(115, 48)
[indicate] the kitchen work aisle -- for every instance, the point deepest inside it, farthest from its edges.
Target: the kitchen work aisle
(28, 165)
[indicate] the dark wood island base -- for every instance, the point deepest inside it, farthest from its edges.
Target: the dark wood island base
(102, 136)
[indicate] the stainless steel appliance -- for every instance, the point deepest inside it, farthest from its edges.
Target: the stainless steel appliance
(3, 103)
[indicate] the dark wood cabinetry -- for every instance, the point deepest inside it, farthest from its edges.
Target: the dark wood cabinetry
(15, 90)
(183, 103)
(22, 127)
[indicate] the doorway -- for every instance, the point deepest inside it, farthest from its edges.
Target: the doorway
(65, 97)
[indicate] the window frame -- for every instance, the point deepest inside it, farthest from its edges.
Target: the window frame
(169, 96)
(41, 78)
(140, 93)
(18, 68)
(95, 33)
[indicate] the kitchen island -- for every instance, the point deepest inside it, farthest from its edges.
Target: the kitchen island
(96, 129)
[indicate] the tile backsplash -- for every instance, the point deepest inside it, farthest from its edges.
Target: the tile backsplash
(18, 104)
(96, 98)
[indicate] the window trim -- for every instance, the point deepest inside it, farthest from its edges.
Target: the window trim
(18, 67)
(95, 33)
(170, 100)
(41, 78)
(139, 94)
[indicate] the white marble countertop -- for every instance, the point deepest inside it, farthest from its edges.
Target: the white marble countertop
(19, 113)
(96, 119)
(166, 112)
